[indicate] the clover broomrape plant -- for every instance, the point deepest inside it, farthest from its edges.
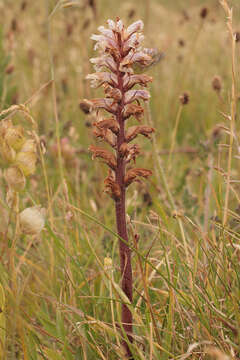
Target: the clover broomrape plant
(120, 52)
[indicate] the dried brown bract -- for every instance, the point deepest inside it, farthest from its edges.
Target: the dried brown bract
(111, 187)
(109, 123)
(134, 131)
(133, 110)
(85, 106)
(108, 157)
(134, 174)
(107, 135)
(130, 152)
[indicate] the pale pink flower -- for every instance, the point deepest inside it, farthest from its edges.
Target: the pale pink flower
(134, 41)
(135, 27)
(134, 57)
(130, 80)
(104, 61)
(133, 95)
(104, 103)
(103, 42)
(99, 78)
(115, 26)
(111, 24)
(106, 32)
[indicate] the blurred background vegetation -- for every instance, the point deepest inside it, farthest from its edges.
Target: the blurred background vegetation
(62, 305)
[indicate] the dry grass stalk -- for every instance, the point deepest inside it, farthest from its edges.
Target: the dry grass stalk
(229, 14)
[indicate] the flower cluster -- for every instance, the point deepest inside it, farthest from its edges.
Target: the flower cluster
(120, 51)
(18, 154)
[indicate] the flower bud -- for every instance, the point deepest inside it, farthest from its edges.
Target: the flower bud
(14, 137)
(26, 161)
(32, 220)
(29, 146)
(15, 178)
(7, 153)
(4, 126)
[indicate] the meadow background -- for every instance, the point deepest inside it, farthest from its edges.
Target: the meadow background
(63, 302)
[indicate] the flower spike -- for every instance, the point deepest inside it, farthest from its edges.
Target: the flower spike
(120, 51)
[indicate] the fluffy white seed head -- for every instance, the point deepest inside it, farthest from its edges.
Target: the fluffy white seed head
(32, 220)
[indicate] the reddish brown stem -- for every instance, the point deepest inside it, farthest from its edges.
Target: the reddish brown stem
(126, 268)
(124, 250)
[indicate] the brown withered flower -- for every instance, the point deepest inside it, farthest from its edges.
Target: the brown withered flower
(184, 98)
(217, 83)
(120, 53)
(85, 106)
(204, 12)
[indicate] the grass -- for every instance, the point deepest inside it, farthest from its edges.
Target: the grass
(65, 304)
